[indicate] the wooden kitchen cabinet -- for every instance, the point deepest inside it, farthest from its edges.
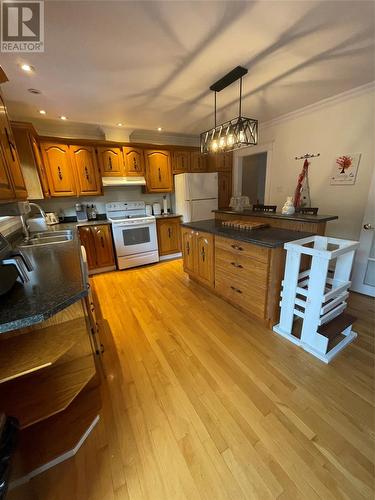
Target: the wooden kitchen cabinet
(188, 250)
(180, 162)
(198, 162)
(169, 235)
(33, 170)
(159, 177)
(198, 254)
(241, 274)
(86, 169)
(224, 188)
(134, 162)
(11, 170)
(219, 162)
(97, 240)
(111, 162)
(6, 187)
(59, 167)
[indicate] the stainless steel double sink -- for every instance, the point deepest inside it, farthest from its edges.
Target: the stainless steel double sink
(49, 238)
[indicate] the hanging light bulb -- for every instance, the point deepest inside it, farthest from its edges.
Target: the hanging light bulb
(214, 146)
(222, 142)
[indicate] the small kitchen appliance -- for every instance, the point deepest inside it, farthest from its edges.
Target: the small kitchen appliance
(81, 212)
(156, 208)
(134, 233)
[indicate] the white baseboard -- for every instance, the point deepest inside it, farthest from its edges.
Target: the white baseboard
(55, 461)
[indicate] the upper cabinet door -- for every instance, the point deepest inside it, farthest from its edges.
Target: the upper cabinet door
(198, 162)
(59, 168)
(181, 162)
(39, 165)
(134, 161)
(6, 187)
(11, 155)
(87, 172)
(158, 171)
(111, 162)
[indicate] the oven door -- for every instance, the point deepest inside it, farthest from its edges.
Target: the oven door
(135, 238)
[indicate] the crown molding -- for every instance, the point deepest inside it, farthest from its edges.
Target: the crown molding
(153, 137)
(329, 101)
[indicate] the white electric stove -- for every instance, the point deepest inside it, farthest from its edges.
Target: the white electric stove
(134, 233)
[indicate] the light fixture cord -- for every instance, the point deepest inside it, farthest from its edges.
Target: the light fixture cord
(215, 108)
(240, 96)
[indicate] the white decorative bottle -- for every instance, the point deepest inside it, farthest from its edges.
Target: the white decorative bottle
(288, 208)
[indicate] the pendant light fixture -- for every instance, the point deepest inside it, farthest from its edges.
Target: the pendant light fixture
(233, 134)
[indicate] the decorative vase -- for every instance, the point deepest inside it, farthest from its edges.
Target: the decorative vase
(288, 208)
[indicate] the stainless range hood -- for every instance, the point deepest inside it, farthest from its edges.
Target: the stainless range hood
(123, 181)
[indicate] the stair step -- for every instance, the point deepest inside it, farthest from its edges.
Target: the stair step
(334, 327)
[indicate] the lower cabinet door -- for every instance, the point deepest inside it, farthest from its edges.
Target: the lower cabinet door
(87, 240)
(189, 250)
(205, 257)
(103, 245)
(168, 235)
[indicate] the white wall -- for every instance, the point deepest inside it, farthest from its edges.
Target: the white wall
(344, 124)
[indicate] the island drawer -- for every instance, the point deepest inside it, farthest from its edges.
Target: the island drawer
(242, 267)
(241, 248)
(243, 289)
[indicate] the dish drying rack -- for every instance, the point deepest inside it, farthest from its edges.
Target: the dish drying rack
(313, 300)
(243, 224)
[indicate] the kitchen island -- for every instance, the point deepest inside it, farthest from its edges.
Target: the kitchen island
(296, 222)
(244, 267)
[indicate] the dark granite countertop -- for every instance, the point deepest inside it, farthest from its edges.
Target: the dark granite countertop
(55, 283)
(278, 215)
(271, 237)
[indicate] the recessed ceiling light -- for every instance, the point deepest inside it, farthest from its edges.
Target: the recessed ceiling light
(42, 112)
(27, 68)
(159, 129)
(34, 91)
(119, 124)
(63, 117)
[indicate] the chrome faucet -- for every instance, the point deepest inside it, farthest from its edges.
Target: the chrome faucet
(24, 217)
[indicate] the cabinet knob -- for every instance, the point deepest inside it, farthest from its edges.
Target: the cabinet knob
(236, 289)
(59, 173)
(239, 266)
(110, 163)
(159, 174)
(87, 174)
(236, 247)
(169, 232)
(188, 248)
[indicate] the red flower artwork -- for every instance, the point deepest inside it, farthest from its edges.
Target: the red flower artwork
(344, 162)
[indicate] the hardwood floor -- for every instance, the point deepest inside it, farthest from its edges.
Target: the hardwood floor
(201, 402)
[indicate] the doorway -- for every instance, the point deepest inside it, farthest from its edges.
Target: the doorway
(363, 277)
(254, 168)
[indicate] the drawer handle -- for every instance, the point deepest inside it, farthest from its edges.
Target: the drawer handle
(87, 174)
(110, 163)
(159, 174)
(236, 289)
(59, 173)
(188, 248)
(236, 247)
(203, 254)
(237, 265)
(135, 163)
(169, 233)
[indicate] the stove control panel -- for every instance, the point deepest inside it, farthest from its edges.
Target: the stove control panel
(125, 205)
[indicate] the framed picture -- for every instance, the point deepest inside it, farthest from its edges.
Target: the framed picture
(345, 169)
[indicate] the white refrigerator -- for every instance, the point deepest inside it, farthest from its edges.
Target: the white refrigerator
(196, 195)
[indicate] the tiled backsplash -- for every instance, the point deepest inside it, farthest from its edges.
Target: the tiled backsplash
(129, 193)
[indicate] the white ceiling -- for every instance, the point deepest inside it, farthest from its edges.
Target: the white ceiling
(149, 64)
